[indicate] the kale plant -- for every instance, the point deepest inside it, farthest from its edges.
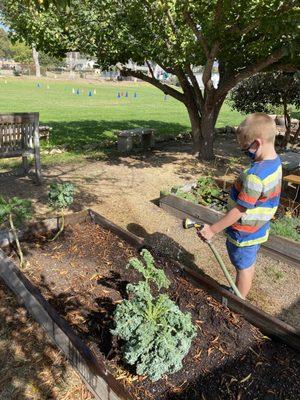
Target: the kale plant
(60, 197)
(14, 212)
(157, 334)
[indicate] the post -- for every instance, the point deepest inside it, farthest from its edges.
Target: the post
(36, 147)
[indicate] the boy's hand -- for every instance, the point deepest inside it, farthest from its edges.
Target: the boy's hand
(206, 233)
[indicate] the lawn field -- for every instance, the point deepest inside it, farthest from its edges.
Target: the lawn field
(80, 121)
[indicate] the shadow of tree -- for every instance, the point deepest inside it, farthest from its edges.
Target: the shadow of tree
(31, 366)
(78, 136)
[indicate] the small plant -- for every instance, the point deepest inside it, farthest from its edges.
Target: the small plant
(207, 189)
(287, 227)
(60, 197)
(157, 334)
(15, 211)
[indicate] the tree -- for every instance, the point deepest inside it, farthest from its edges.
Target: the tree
(263, 91)
(35, 56)
(243, 36)
(5, 45)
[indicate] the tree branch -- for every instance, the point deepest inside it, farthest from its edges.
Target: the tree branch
(150, 69)
(250, 70)
(209, 66)
(196, 87)
(197, 32)
(155, 82)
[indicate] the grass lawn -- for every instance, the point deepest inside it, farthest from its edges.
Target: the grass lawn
(82, 123)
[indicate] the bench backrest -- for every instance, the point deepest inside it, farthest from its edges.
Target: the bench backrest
(17, 133)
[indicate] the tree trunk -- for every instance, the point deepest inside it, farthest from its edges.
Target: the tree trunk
(203, 126)
(35, 56)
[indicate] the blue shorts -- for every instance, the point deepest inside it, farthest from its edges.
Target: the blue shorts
(242, 257)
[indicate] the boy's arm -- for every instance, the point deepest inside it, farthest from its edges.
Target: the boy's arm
(229, 219)
(247, 198)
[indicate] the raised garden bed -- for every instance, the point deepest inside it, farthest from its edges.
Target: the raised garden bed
(73, 285)
(278, 247)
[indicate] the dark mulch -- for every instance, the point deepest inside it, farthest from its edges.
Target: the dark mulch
(83, 276)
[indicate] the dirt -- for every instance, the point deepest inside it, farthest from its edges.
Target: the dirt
(31, 367)
(83, 276)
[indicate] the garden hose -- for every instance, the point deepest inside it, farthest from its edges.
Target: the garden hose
(188, 223)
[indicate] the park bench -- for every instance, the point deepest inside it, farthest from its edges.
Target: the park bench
(19, 137)
(125, 138)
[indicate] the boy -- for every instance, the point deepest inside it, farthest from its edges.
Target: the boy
(254, 199)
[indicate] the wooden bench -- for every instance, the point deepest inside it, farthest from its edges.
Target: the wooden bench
(125, 138)
(19, 137)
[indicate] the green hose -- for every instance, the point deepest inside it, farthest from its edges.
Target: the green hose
(188, 223)
(225, 271)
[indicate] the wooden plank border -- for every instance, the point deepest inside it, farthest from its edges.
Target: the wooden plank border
(277, 247)
(91, 369)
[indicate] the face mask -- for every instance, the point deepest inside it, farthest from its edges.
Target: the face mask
(249, 153)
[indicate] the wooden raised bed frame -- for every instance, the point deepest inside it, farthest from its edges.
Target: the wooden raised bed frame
(277, 247)
(99, 381)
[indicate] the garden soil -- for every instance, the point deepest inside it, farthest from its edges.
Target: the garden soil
(84, 276)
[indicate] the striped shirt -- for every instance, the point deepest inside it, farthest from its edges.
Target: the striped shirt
(258, 190)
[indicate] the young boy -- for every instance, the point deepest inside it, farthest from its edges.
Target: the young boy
(254, 199)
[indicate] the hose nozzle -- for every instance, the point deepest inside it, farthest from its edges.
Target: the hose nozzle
(189, 223)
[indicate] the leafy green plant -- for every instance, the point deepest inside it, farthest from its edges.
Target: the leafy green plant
(15, 211)
(207, 189)
(157, 334)
(60, 198)
(288, 227)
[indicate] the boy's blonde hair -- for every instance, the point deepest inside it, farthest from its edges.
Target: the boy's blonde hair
(256, 126)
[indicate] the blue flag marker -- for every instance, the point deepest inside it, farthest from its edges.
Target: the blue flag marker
(118, 96)
(126, 94)
(38, 85)
(135, 94)
(77, 91)
(90, 93)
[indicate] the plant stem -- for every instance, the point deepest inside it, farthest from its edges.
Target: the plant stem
(61, 228)
(15, 233)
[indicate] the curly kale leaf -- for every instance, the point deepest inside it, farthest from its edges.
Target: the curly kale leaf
(148, 269)
(60, 195)
(157, 334)
(19, 209)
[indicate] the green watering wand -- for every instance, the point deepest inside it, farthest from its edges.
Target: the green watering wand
(188, 223)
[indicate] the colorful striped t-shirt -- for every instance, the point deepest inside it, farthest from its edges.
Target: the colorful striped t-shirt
(258, 190)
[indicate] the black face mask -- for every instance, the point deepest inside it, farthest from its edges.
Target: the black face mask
(251, 154)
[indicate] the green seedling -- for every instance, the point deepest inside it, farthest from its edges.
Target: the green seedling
(14, 212)
(60, 197)
(157, 334)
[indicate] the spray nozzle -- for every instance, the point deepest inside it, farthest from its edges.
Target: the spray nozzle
(189, 223)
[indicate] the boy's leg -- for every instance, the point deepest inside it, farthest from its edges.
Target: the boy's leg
(244, 279)
(243, 259)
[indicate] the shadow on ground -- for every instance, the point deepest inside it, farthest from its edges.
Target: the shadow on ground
(30, 367)
(78, 136)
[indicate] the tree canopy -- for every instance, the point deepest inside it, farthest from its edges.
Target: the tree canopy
(267, 91)
(244, 37)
